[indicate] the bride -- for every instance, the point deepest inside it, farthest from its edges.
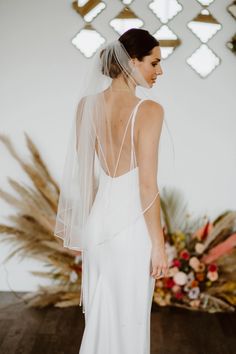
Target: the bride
(109, 206)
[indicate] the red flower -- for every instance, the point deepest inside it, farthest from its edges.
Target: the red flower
(169, 283)
(176, 263)
(212, 267)
(77, 268)
(184, 254)
(179, 295)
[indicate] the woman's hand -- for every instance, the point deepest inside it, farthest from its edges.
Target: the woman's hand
(159, 262)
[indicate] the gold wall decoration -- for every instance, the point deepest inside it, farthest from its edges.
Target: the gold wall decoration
(88, 9)
(232, 9)
(166, 10)
(232, 44)
(204, 26)
(88, 39)
(205, 3)
(168, 40)
(125, 20)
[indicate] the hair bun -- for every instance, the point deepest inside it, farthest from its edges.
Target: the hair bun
(109, 63)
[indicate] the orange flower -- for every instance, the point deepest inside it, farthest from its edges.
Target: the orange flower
(194, 283)
(200, 276)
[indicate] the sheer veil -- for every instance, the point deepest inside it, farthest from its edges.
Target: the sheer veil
(93, 152)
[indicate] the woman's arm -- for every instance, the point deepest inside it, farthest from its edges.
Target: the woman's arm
(149, 131)
(150, 125)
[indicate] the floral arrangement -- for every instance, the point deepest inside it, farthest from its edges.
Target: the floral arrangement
(201, 254)
(199, 274)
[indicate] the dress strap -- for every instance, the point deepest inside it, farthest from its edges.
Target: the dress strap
(133, 155)
(131, 118)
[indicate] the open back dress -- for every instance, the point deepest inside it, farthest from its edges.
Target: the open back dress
(117, 288)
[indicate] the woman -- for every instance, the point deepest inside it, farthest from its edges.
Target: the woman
(109, 205)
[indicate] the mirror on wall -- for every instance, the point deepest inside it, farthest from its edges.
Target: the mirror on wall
(88, 40)
(88, 9)
(165, 10)
(205, 2)
(203, 61)
(126, 2)
(204, 26)
(168, 40)
(125, 20)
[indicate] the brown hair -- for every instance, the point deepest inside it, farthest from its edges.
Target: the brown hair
(137, 42)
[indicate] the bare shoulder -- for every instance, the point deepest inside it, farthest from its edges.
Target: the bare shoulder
(152, 106)
(151, 115)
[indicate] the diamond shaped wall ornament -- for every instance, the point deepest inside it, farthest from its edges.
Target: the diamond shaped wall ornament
(125, 20)
(232, 44)
(205, 3)
(88, 40)
(165, 10)
(168, 40)
(203, 61)
(204, 26)
(232, 9)
(88, 9)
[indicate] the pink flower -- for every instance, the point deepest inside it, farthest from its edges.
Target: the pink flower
(176, 288)
(173, 271)
(212, 276)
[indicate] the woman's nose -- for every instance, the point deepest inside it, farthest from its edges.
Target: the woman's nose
(159, 71)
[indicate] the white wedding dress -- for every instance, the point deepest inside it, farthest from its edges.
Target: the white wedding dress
(117, 288)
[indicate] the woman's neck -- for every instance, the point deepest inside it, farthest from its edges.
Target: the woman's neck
(119, 85)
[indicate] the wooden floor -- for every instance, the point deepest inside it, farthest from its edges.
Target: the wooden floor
(59, 331)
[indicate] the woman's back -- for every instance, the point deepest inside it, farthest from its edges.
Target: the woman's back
(122, 131)
(117, 139)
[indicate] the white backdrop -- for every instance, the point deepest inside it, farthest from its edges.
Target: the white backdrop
(40, 78)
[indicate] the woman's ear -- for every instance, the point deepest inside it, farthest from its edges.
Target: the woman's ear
(132, 63)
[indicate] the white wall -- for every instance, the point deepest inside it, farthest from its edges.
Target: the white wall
(40, 77)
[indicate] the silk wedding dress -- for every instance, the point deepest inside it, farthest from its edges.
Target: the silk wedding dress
(117, 288)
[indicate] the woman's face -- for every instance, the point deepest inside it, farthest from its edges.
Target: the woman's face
(150, 66)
